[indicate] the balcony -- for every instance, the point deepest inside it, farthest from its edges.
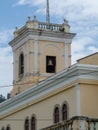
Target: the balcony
(75, 123)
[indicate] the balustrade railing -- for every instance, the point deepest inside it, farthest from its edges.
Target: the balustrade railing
(75, 123)
(54, 27)
(92, 124)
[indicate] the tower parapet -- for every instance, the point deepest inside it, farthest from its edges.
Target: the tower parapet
(35, 24)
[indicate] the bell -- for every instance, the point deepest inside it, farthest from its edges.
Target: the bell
(50, 62)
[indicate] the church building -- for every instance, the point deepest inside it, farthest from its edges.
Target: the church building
(49, 93)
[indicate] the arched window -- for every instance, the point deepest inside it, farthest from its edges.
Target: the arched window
(26, 124)
(56, 115)
(2, 128)
(8, 127)
(64, 112)
(33, 123)
(21, 64)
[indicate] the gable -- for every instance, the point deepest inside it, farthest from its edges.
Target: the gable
(91, 59)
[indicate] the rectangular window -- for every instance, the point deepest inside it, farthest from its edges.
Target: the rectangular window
(50, 64)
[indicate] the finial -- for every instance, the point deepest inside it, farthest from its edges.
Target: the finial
(29, 18)
(65, 21)
(34, 18)
(16, 28)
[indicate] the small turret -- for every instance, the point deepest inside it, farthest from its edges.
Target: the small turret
(15, 32)
(35, 23)
(29, 23)
(65, 26)
(32, 24)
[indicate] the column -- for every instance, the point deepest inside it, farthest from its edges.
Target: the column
(27, 62)
(35, 55)
(78, 109)
(67, 42)
(66, 55)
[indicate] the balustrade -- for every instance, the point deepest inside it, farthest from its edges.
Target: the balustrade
(75, 123)
(54, 27)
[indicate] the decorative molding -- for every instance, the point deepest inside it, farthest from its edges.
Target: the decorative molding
(50, 44)
(35, 55)
(66, 55)
(78, 110)
(15, 43)
(27, 62)
(37, 92)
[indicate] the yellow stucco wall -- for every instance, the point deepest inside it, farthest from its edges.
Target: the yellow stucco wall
(43, 110)
(45, 48)
(89, 100)
(92, 59)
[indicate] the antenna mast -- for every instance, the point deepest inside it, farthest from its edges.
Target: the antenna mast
(47, 13)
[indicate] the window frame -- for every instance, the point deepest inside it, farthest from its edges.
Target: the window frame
(3, 128)
(26, 124)
(51, 68)
(33, 122)
(8, 127)
(21, 64)
(56, 114)
(64, 112)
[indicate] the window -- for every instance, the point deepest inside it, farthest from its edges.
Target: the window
(21, 64)
(56, 115)
(8, 127)
(27, 124)
(50, 64)
(64, 112)
(33, 123)
(2, 128)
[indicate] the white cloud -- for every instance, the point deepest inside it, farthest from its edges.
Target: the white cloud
(60, 7)
(22, 2)
(5, 70)
(5, 61)
(5, 36)
(83, 16)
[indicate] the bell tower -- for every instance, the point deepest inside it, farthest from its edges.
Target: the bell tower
(40, 49)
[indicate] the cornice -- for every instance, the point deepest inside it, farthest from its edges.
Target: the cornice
(53, 83)
(42, 35)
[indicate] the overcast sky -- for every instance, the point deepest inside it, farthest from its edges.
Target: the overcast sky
(81, 14)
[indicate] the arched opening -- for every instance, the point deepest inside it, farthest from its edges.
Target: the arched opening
(56, 115)
(2, 128)
(8, 128)
(33, 123)
(26, 125)
(21, 64)
(51, 64)
(64, 112)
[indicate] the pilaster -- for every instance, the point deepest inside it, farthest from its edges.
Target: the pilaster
(78, 109)
(35, 55)
(66, 55)
(27, 58)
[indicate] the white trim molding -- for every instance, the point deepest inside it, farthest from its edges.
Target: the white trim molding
(65, 78)
(35, 55)
(78, 107)
(66, 55)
